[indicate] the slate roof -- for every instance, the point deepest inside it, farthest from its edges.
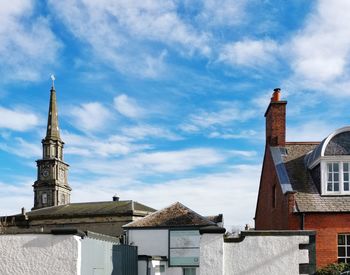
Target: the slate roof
(175, 215)
(216, 218)
(88, 209)
(308, 197)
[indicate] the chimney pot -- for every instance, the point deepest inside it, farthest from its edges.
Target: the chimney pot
(23, 211)
(276, 95)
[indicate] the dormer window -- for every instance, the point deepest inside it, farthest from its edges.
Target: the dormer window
(333, 177)
(329, 163)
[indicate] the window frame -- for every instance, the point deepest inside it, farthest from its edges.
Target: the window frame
(324, 175)
(184, 269)
(346, 245)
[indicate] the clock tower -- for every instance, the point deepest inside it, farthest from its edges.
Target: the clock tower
(51, 187)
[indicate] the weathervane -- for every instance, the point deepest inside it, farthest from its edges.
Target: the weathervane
(53, 80)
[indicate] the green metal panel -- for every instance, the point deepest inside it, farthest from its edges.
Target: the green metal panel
(124, 260)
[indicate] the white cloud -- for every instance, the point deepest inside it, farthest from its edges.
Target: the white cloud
(232, 193)
(22, 148)
(229, 112)
(17, 119)
(144, 131)
(91, 116)
(311, 131)
(320, 52)
(233, 135)
(174, 161)
(249, 53)
(21, 56)
(222, 12)
(147, 164)
(93, 146)
(120, 32)
(128, 107)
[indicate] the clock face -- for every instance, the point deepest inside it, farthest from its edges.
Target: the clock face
(45, 173)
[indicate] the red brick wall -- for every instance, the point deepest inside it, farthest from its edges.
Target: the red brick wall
(327, 227)
(276, 123)
(266, 216)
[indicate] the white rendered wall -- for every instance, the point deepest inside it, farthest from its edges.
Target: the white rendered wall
(44, 254)
(273, 255)
(211, 254)
(151, 242)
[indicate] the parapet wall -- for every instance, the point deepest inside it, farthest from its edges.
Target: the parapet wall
(258, 252)
(26, 254)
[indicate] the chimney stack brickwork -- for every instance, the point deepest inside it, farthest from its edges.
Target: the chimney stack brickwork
(276, 120)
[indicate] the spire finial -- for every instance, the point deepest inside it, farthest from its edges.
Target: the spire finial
(53, 80)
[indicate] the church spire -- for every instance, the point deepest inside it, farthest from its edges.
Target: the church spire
(51, 187)
(53, 132)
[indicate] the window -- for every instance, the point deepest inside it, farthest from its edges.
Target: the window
(337, 177)
(44, 198)
(63, 199)
(184, 248)
(333, 176)
(189, 271)
(344, 248)
(274, 196)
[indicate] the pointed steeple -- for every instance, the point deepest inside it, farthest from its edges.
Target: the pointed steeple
(53, 132)
(51, 187)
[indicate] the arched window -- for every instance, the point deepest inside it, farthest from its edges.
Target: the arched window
(44, 198)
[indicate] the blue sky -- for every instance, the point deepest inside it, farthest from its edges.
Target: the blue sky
(164, 100)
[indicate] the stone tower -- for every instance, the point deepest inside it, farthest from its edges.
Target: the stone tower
(51, 187)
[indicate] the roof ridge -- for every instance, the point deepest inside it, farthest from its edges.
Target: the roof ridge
(154, 214)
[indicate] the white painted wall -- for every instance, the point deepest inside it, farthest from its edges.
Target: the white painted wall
(255, 255)
(211, 259)
(43, 254)
(265, 255)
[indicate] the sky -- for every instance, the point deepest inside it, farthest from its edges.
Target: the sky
(163, 100)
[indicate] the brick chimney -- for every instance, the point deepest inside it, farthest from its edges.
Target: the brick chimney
(276, 120)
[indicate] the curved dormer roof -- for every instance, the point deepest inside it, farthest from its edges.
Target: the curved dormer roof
(336, 144)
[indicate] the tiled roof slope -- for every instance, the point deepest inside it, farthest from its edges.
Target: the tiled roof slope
(175, 215)
(103, 208)
(308, 198)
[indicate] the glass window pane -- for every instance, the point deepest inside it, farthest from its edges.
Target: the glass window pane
(341, 239)
(346, 166)
(346, 186)
(347, 240)
(329, 186)
(341, 251)
(336, 176)
(330, 177)
(341, 260)
(346, 176)
(336, 186)
(329, 167)
(335, 166)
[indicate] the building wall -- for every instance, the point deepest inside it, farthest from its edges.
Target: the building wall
(265, 252)
(150, 242)
(111, 226)
(211, 254)
(39, 254)
(153, 242)
(327, 227)
(96, 256)
(268, 217)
